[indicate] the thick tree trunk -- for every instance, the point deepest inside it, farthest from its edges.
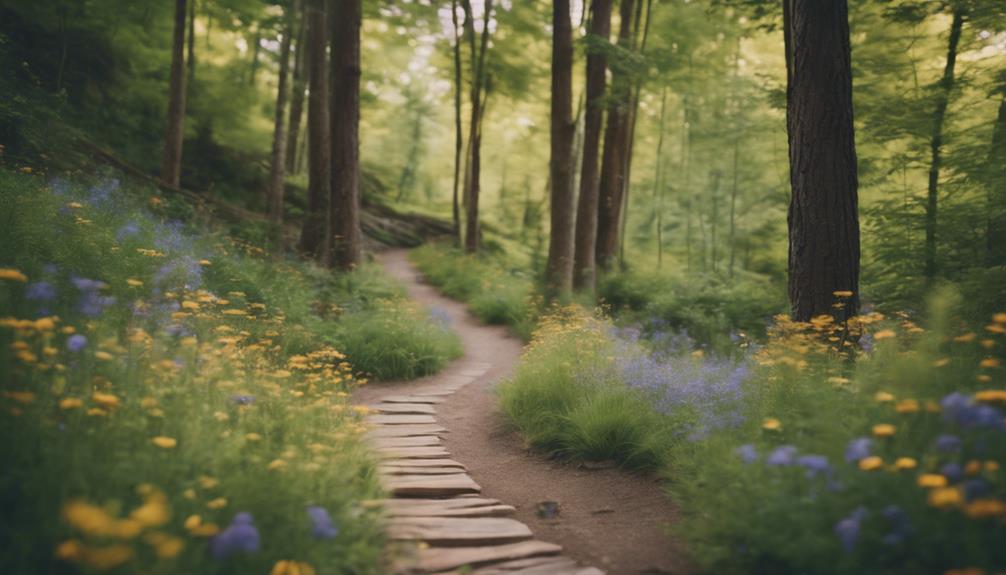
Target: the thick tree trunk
(936, 143)
(171, 161)
(345, 117)
(458, 137)
(997, 191)
(278, 162)
(584, 271)
(314, 238)
(559, 268)
(297, 97)
(612, 185)
(823, 212)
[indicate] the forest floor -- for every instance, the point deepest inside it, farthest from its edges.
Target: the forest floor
(607, 518)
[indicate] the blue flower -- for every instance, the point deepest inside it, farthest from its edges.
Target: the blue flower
(243, 399)
(847, 529)
(322, 526)
(814, 464)
(747, 453)
(783, 455)
(76, 342)
(241, 536)
(976, 489)
(948, 443)
(858, 449)
(952, 471)
(40, 291)
(127, 231)
(93, 304)
(901, 528)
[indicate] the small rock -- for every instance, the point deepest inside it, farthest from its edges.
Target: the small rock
(548, 509)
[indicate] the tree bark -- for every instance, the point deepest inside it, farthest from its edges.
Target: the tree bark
(612, 184)
(256, 49)
(658, 191)
(297, 98)
(192, 42)
(345, 118)
(559, 267)
(278, 162)
(823, 213)
(314, 238)
(458, 137)
(946, 86)
(997, 191)
(479, 87)
(584, 271)
(171, 161)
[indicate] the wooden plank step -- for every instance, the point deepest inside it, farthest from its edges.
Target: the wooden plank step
(406, 470)
(405, 430)
(452, 503)
(412, 399)
(435, 392)
(399, 419)
(423, 463)
(430, 485)
(440, 511)
(453, 531)
(409, 441)
(422, 452)
(555, 563)
(434, 559)
(404, 408)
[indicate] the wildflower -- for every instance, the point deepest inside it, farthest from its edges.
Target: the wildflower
(747, 453)
(134, 282)
(40, 291)
(842, 293)
(903, 463)
(907, 406)
(783, 455)
(883, 397)
(900, 526)
(22, 397)
(285, 567)
(154, 512)
(105, 399)
(70, 403)
(858, 449)
(985, 508)
(88, 518)
(771, 424)
(945, 497)
(103, 356)
(847, 529)
(884, 334)
(253, 437)
(999, 317)
(218, 503)
(884, 430)
(871, 463)
(165, 546)
(952, 471)
(989, 362)
(276, 464)
(243, 399)
(322, 526)
(814, 464)
(12, 275)
(931, 480)
(164, 442)
(948, 443)
(241, 536)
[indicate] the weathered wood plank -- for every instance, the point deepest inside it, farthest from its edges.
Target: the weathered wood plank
(422, 452)
(453, 503)
(406, 470)
(404, 408)
(399, 419)
(404, 430)
(423, 463)
(412, 399)
(453, 531)
(430, 485)
(553, 563)
(442, 559)
(409, 441)
(439, 511)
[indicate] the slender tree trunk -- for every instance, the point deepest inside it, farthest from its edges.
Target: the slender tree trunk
(278, 163)
(936, 143)
(345, 117)
(559, 268)
(256, 49)
(192, 42)
(736, 158)
(612, 184)
(479, 86)
(996, 252)
(584, 271)
(686, 147)
(823, 213)
(658, 193)
(171, 161)
(314, 238)
(297, 97)
(714, 224)
(458, 137)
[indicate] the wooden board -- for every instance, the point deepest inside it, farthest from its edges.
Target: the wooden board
(457, 507)
(551, 562)
(404, 408)
(430, 485)
(452, 531)
(412, 399)
(422, 452)
(407, 470)
(404, 430)
(423, 463)
(442, 559)
(408, 441)
(399, 419)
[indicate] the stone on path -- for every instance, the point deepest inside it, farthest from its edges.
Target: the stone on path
(404, 430)
(433, 560)
(453, 531)
(430, 485)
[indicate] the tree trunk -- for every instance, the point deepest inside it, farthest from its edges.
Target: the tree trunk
(345, 117)
(559, 268)
(736, 158)
(171, 161)
(458, 138)
(314, 238)
(256, 49)
(297, 98)
(823, 212)
(997, 191)
(278, 161)
(946, 86)
(658, 192)
(584, 271)
(612, 184)
(192, 41)
(479, 84)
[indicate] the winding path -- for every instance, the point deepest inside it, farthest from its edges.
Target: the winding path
(467, 491)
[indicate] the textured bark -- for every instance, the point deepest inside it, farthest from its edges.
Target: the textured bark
(277, 162)
(633, 116)
(297, 97)
(191, 62)
(559, 267)
(658, 188)
(345, 119)
(997, 191)
(171, 160)
(612, 185)
(823, 213)
(314, 236)
(478, 92)
(458, 137)
(584, 271)
(936, 143)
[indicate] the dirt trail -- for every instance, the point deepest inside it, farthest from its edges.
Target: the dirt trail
(608, 518)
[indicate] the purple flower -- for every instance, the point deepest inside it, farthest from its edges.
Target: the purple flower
(975, 489)
(40, 291)
(901, 528)
(747, 453)
(858, 449)
(814, 464)
(847, 529)
(93, 304)
(127, 231)
(948, 443)
(952, 471)
(783, 455)
(86, 285)
(243, 399)
(76, 342)
(322, 526)
(241, 536)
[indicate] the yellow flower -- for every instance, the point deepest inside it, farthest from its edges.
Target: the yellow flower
(884, 430)
(883, 397)
(13, 275)
(942, 362)
(253, 437)
(207, 482)
(989, 362)
(984, 508)
(871, 463)
(134, 282)
(907, 406)
(70, 550)
(193, 521)
(218, 503)
(945, 497)
(220, 416)
(45, 324)
(884, 334)
(153, 513)
(88, 518)
(105, 399)
(973, 467)
(291, 568)
(190, 305)
(205, 262)
(22, 397)
(106, 558)
(771, 424)
(103, 355)
(842, 293)
(70, 403)
(276, 464)
(932, 480)
(999, 317)
(165, 546)
(903, 463)
(164, 442)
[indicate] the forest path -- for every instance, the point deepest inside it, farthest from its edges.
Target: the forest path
(607, 518)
